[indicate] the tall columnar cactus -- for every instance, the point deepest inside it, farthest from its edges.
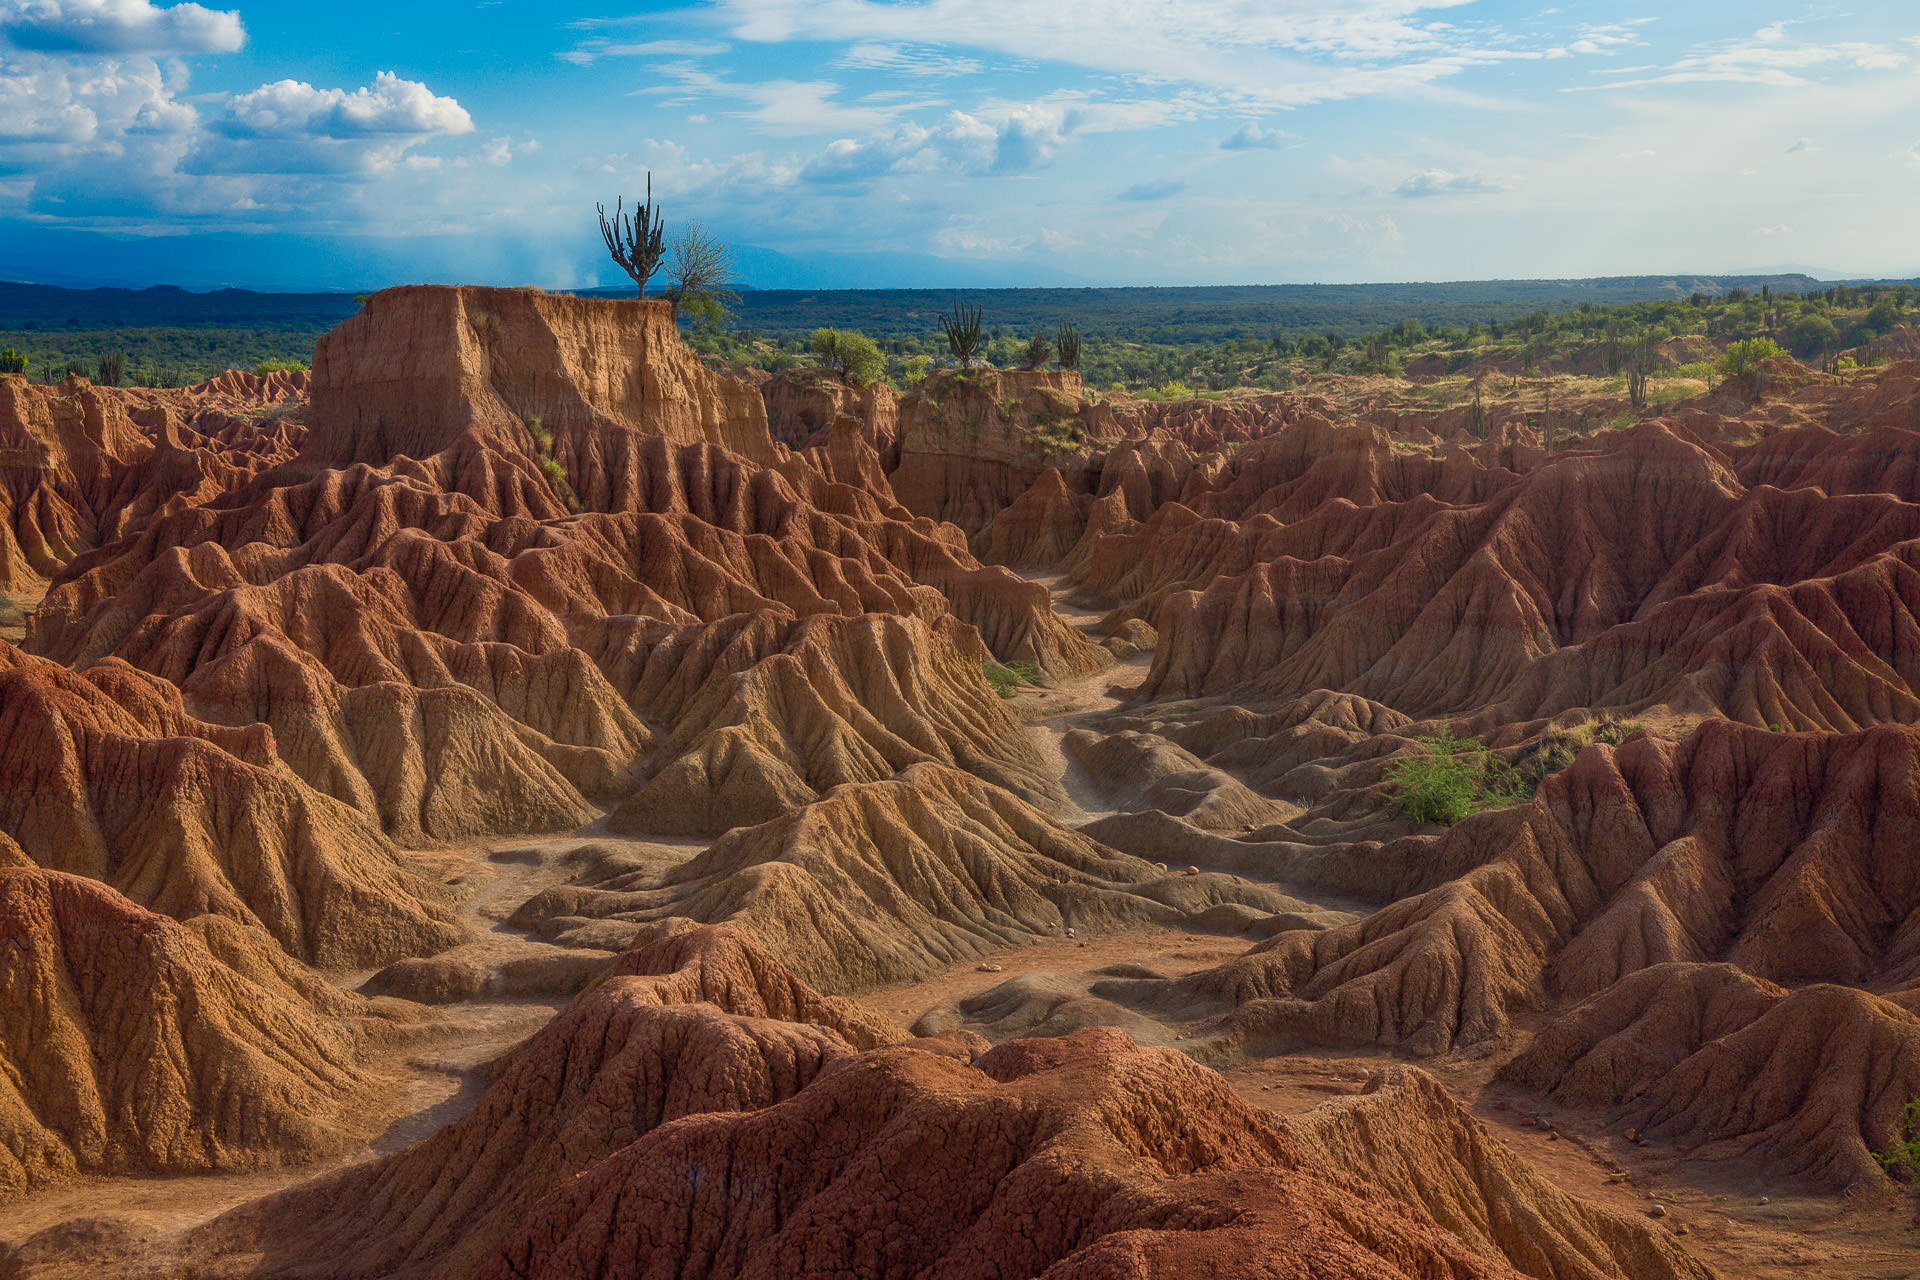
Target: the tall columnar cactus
(637, 241)
(965, 338)
(1068, 345)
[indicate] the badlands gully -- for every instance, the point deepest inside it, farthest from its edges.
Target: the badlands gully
(487, 808)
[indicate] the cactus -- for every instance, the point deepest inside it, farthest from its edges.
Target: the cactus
(965, 339)
(1068, 345)
(1039, 350)
(637, 241)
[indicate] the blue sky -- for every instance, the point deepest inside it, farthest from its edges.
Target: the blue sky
(1110, 141)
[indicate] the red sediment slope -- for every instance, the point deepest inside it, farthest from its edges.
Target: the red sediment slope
(1722, 866)
(106, 776)
(130, 1043)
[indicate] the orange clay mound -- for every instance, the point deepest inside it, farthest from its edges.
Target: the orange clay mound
(130, 1043)
(1406, 1136)
(421, 368)
(439, 642)
(106, 776)
(87, 465)
(890, 880)
(1785, 858)
(838, 700)
(1082, 1152)
(705, 1021)
(1640, 577)
(1726, 1066)
(1084, 1156)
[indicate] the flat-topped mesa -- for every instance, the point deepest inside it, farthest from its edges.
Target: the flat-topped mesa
(422, 367)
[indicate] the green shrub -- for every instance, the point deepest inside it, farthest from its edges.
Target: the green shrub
(12, 361)
(266, 367)
(853, 356)
(557, 479)
(1741, 356)
(1007, 678)
(1449, 778)
(1902, 1158)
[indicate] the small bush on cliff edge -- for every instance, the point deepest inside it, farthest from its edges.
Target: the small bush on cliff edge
(853, 356)
(1449, 778)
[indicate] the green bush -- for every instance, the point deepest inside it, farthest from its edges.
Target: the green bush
(853, 356)
(12, 361)
(266, 367)
(1007, 678)
(1747, 354)
(1902, 1157)
(1449, 778)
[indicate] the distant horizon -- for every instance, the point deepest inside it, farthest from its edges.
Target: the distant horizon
(13, 275)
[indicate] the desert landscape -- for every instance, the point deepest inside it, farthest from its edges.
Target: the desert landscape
(485, 808)
(959, 640)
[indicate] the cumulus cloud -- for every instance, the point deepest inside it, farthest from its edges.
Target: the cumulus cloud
(50, 104)
(1019, 140)
(390, 106)
(1251, 137)
(118, 27)
(1439, 182)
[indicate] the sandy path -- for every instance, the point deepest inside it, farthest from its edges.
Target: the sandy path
(1074, 704)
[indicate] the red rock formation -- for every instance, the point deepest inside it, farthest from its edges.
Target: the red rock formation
(133, 1044)
(81, 466)
(707, 1021)
(1077, 1157)
(1783, 856)
(431, 637)
(421, 368)
(107, 777)
(889, 880)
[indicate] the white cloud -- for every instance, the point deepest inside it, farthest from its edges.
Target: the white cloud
(52, 104)
(1258, 52)
(1804, 147)
(1439, 182)
(118, 27)
(1251, 137)
(910, 60)
(1607, 38)
(390, 106)
(588, 52)
(1768, 57)
(1781, 230)
(790, 107)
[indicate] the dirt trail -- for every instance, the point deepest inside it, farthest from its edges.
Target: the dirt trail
(1074, 704)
